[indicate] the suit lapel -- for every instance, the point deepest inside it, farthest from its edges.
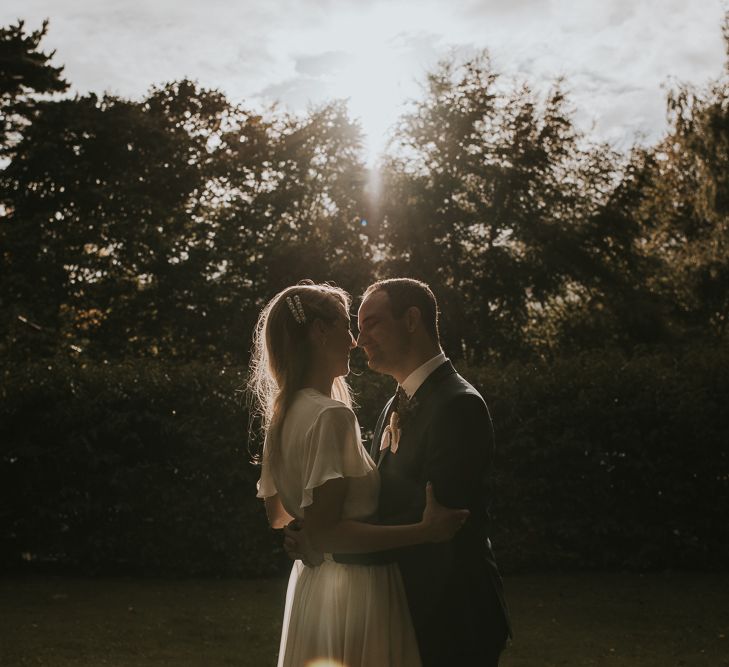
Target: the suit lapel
(377, 436)
(429, 384)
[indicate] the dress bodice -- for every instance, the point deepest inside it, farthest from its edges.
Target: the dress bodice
(320, 440)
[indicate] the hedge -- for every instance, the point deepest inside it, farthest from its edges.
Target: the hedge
(604, 460)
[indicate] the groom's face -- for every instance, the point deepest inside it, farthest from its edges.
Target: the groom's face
(383, 337)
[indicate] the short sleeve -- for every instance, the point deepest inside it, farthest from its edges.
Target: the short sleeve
(265, 487)
(333, 449)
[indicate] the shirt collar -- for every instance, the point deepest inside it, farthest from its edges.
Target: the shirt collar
(413, 381)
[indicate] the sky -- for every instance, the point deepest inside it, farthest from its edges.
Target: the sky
(618, 58)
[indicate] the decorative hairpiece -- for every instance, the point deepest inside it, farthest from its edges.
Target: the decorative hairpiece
(297, 310)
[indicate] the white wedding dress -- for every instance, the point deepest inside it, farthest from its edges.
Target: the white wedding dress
(341, 615)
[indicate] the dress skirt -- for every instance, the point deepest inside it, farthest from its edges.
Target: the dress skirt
(339, 615)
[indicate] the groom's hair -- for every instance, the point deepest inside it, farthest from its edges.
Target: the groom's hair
(405, 293)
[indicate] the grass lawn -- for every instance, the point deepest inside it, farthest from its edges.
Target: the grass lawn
(615, 620)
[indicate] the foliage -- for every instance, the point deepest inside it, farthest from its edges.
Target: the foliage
(607, 460)
(25, 73)
(289, 208)
(603, 461)
(686, 210)
(103, 214)
(159, 227)
(585, 291)
(140, 466)
(156, 228)
(497, 199)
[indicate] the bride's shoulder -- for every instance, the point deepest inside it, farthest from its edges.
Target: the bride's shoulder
(334, 423)
(313, 397)
(323, 411)
(316, 405)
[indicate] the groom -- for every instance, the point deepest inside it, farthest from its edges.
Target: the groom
(436, 428)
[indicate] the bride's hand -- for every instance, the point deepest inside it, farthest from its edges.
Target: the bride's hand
(440, 523)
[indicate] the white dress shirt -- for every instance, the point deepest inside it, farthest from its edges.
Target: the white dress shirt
(413, 381)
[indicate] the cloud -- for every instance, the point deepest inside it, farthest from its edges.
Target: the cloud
(323, 63)
(615, 55)
(297, 92)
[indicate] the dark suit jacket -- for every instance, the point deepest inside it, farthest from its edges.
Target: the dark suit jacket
(454, 589)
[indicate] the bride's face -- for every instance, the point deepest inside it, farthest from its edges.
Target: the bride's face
(339, 343)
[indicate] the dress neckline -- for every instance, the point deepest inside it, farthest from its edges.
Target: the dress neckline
(311, 390)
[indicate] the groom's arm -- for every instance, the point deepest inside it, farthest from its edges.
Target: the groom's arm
(458, 450)
(459, 453)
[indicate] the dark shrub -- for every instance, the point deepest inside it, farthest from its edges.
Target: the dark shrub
(603, 461)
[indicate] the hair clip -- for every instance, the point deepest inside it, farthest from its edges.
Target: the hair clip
(297, 310)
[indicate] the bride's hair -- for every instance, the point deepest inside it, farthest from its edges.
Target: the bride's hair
(282, 353)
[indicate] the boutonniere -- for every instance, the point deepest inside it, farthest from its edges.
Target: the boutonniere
(395, 431)
(391, 434)
(403, 410)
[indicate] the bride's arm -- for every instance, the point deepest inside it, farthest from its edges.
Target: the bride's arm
(328, 532)
(278, 517)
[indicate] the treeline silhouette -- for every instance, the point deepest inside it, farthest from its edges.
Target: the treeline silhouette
(140, 238)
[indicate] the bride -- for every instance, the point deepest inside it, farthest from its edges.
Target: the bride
(315, 469)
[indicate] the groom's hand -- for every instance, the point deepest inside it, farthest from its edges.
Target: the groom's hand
(297, 546)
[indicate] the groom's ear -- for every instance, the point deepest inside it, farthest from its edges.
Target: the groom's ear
(413, 319)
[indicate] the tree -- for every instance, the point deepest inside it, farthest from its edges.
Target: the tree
(687, 206)
(160, 226)
(103, 241)
(25, 73)
(493, 196)
(292, 196)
